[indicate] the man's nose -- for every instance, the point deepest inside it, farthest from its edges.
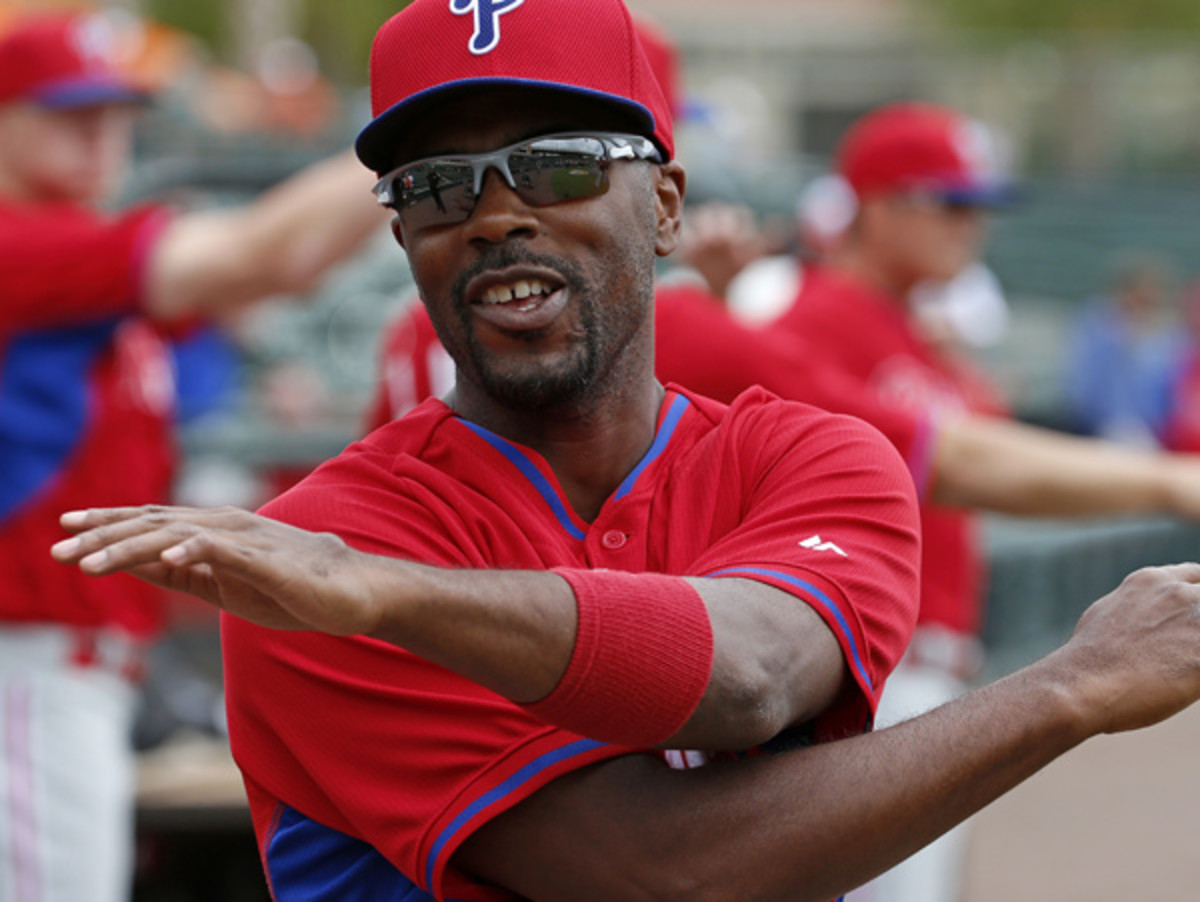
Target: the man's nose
(499, 210)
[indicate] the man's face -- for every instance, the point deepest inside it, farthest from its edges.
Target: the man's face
(918, 237)
(64, 155)
(540, 307)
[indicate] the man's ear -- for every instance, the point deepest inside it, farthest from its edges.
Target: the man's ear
(397, 231)
(669, 188)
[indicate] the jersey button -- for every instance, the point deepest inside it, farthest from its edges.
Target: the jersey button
(614, 539)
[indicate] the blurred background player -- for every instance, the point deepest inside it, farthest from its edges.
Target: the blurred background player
(86, 408)
(921, 176)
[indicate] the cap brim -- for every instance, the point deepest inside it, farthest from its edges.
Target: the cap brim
(79, 94)
(377, 143)
(994, 196)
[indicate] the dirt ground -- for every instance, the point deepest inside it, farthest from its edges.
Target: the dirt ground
(1116, 820)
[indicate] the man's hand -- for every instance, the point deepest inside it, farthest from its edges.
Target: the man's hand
(1136, 652)
(719, 241)
(259, 569)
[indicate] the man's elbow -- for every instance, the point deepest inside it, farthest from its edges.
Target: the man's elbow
(742, 710)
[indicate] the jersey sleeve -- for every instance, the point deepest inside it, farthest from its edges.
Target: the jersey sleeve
(831, 518)
(328, 731)
(65, 265)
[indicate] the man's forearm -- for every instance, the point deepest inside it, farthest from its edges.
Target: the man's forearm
(769, 660)
(281, 243)
(806, 825)
(811, 824)
(752, 661)
(1012, 468)
(467, 621)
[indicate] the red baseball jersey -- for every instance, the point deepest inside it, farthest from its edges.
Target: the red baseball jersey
(1182, 429)
(698, 344)
(869, 337)
(367, 766)
(86, 402)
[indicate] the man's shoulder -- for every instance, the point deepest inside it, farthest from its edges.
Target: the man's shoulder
(758, 415)
(398, 447)
(410, 433)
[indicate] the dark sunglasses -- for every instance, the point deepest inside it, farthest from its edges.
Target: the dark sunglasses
(542, 171)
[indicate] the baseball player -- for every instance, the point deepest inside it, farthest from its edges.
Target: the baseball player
(921, 177)
(86, 406)
(522, 596)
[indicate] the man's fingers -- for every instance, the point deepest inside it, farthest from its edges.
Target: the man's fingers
(81, 520)
(1187, 572)
(109, 549)
(78, 521)
(102, 535)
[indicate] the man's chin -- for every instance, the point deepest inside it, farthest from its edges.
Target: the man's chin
(542, 389)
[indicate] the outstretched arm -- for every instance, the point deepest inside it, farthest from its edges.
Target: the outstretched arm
(1013, 468)
(775, 662)
(811, 824)
(281, 243)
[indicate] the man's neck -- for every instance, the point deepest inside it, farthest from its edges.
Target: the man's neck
(591, 447)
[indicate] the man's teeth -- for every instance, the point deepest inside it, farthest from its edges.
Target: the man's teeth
(519, 291)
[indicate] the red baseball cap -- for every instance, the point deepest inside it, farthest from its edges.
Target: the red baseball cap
(63, 62)
(435, 48)
(923, 147)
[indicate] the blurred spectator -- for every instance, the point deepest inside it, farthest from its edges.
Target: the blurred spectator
(1124, 347)
(87, 406)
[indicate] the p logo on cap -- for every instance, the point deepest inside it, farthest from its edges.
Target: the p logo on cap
(487, 20)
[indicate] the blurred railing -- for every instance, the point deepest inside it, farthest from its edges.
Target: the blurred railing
(1043, 574)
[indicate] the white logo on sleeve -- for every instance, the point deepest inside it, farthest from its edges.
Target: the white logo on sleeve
(815, 543)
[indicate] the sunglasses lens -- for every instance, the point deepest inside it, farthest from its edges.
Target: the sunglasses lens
(438, 192)
(548, 173)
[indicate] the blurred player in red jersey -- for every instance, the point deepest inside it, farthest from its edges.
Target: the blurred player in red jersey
(458, 664)
(921, 177)
(86, 407)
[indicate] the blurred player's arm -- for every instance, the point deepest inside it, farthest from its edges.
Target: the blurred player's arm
(1010, 467)
(774, 661)
(719, 240)
(811, 824)
(281, 243)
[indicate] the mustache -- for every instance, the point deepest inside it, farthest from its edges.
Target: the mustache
(512, 254)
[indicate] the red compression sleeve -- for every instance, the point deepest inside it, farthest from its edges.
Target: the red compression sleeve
(642, 659)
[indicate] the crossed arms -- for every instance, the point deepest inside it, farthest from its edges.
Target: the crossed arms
(805, 825)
